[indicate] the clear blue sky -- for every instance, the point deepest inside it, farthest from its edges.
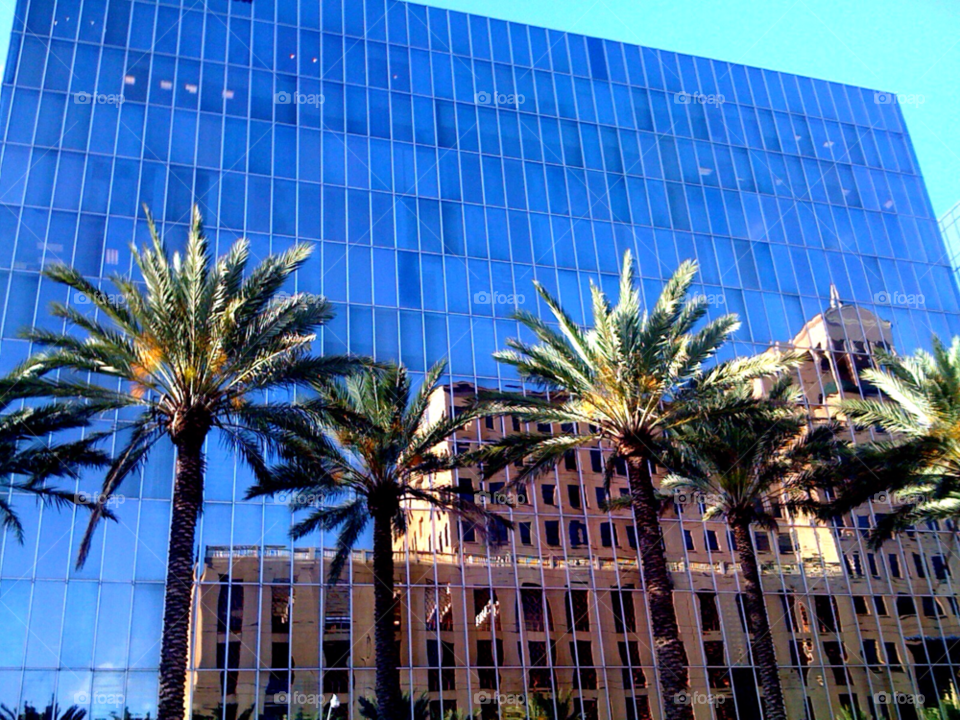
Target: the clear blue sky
(903, 46)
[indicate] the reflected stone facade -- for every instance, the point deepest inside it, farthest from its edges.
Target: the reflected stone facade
(558, 605)
(442, 162)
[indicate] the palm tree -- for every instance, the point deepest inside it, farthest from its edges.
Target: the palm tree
(920, 468)
(373, 448)
(28, 459)
(626, 381)
(746, 468)
(196, 347)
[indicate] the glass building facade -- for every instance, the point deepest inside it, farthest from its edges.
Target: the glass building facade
(442, 162)
(950, 227)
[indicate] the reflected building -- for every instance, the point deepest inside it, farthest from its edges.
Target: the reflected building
(558, 605)
(441, 162)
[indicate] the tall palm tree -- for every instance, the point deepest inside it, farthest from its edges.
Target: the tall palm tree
(373, 449)
(626, 381)
(746, 468)
(195, 347)
(31, 454)
(919, 469)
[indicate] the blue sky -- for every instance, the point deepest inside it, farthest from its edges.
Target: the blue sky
(910, 47)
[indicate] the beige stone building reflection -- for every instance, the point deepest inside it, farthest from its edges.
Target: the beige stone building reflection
(558, 605)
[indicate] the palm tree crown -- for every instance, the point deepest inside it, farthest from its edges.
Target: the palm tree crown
(919, 469)
(748, 466)
(628, 380)
(373, 450)
(190, 348)
(195, 347)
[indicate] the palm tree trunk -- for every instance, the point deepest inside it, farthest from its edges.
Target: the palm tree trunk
(761, 643)
(671, 656)
(384, 603)
(178, 597)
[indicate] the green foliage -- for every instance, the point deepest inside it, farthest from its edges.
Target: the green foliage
(370, 445)
(920, 467)
(763, 458)
(33, 451)
(460, 715)
(196, 345)
(851, 713)
(948, 709)
(544, 707)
